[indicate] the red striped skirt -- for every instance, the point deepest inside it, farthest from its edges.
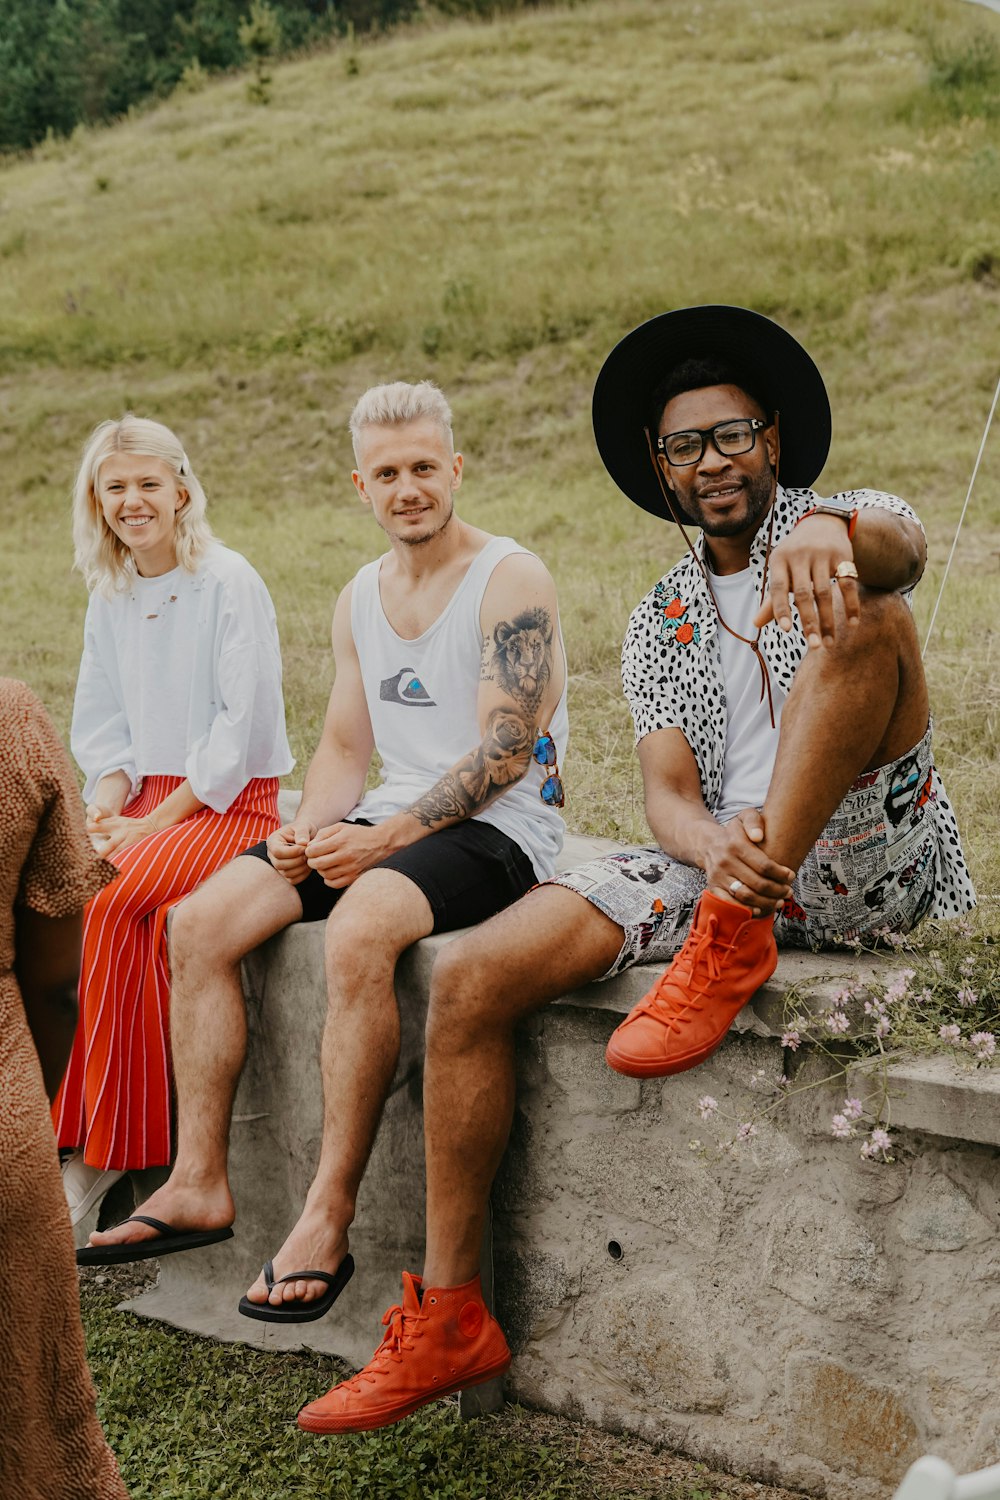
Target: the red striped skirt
(115, 1100)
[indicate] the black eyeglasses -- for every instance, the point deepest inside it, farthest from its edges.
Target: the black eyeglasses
(544, 751)
(728, 438)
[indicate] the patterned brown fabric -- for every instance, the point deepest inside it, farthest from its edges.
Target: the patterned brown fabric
(51, 1444)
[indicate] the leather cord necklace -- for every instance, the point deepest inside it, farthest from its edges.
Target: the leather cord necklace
(754, 643)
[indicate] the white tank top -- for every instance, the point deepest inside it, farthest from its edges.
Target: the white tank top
(422, 698)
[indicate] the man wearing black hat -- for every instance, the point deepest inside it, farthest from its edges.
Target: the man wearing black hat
(786, 761)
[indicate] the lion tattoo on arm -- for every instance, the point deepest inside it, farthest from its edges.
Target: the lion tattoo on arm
(522, 657)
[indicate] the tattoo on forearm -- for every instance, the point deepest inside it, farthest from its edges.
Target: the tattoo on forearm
(521, 661)
(496, 763)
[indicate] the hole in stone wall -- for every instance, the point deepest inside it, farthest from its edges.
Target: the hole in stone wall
(615, 1250)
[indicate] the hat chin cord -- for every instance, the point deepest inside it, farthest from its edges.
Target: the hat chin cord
(670, 500)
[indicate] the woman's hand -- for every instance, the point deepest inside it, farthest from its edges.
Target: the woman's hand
(110, 831)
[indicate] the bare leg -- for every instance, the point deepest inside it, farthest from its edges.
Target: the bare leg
(378, 917)
(854, 706)
(246, 902)
(545, 944)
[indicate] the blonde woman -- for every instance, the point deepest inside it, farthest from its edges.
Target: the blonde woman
(179, 727)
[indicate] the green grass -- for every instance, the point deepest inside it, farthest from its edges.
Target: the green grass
(193, 1420)
(493, 206)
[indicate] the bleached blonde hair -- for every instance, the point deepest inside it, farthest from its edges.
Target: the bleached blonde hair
(103, 558)
(388, 405)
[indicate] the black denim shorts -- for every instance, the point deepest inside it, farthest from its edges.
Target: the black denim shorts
(467, 872)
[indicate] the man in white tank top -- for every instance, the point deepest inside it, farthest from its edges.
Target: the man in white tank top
(449, 664)
(786, 764)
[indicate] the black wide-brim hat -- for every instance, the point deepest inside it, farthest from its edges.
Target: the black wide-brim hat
(784, 377)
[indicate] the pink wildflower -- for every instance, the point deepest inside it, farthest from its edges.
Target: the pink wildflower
(791, 1039)
(707, 1106)
(950, 1034)
(967, 996)
(882, 1026)
(984, 1044)
(900, 986)
(837, 1021)
(924, 998)
(853, 1109)
(877, 1144)
(746, 1132)
(840, 1126)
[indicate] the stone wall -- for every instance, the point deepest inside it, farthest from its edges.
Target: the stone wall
(784, 1310)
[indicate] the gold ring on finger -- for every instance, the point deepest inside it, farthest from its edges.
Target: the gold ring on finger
(845, 569)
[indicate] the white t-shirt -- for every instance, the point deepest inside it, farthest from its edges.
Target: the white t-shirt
(751, 743)
(181, 676)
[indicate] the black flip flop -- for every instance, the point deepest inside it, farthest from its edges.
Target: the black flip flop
(299, 1312)
(171, 1240)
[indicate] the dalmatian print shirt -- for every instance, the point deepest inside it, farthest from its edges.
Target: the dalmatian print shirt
(672, 673)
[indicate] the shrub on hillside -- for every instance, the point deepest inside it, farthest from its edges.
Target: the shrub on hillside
(62, 64)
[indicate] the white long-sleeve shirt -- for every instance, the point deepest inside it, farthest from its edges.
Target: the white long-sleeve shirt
(181, 676)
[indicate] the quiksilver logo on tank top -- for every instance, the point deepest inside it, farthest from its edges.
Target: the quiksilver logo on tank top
(405, 688)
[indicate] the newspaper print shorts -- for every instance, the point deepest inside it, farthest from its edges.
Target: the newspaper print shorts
(872, 869)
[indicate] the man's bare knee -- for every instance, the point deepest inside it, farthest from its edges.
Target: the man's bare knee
(236, 909)
(376, 919)
(550, 941)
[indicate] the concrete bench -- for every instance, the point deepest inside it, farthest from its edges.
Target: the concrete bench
(783, 1309)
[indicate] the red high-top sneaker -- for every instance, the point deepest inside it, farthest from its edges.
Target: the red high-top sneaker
(436, 1343)
(726, 957)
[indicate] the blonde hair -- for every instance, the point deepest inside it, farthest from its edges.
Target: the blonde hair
(103, 558)
(388, 405)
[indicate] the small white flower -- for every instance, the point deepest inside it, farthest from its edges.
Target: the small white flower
(707, 1106)
(967, 996)
(746, 1132)
(882, 1026)
(840, 1126)
(837, 1021)
(950, 1034)
(853, 1109)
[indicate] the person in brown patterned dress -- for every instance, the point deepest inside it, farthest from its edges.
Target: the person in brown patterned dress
(51, 1443)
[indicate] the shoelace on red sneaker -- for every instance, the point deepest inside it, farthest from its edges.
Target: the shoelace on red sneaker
(700, 950)
(397, 1341)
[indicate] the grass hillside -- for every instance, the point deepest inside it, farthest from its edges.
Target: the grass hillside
(494, 205)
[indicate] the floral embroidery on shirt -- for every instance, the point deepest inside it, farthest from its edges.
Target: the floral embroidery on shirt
(675, 627)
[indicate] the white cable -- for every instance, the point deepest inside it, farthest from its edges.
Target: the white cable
(968, 497)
